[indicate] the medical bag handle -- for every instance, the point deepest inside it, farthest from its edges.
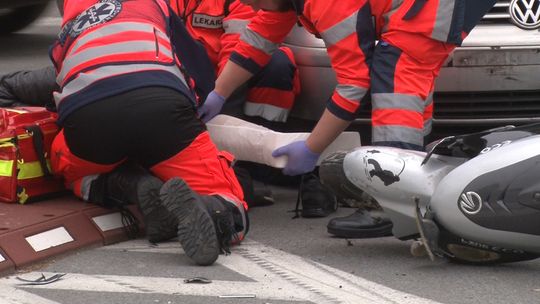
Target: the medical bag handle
(37, 139)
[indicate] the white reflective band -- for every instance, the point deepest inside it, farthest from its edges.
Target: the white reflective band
(267, 111)
(340, 31)
(108, 221)
(235, 26)
(120, 48)
(351, 92)
(443, 20)
(86, 184)
(49, 239)
(2, 258)
(113, 29)
(257, 41)
(88, 78)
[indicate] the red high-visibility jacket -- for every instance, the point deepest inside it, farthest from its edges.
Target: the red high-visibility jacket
(347, 28)
(110, 47)
(217, 24)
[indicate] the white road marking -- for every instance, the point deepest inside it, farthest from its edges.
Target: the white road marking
(48, 239)
(11, 295)
(276, 275)
(108, 221)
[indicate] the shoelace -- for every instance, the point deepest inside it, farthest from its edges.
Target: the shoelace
(130, 223)
(299, 198)
(225, 232)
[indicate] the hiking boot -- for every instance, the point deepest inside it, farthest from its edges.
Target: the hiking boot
(262, 195)
(227, 219)
(160, 224)
(256, 194)
(317, 199)
(132, 184)
(196, 231)
(360, 225)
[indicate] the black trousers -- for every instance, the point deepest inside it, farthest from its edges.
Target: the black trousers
(147, 126)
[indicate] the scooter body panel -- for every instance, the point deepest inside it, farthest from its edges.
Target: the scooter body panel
(494, 198)
(395, 177)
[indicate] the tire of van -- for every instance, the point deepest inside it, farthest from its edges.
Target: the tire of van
(18, 18)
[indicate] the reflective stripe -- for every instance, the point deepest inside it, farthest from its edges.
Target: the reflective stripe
(28, 170)
(266, 111)
(235, 26)
(386, 17)
(85, 79)
(428, 125)
(351, 92)
(111, 49)
(397, 101)
(86, 184)
(257, 41)
(6, 168)
(113, 29)
(340, 31)
(399, 134)
(429, 100)
(443, 20)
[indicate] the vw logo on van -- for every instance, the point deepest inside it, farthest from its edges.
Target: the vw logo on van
(470, 202)
(525, 13)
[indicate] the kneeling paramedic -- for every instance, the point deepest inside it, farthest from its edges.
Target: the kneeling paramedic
(415, 38)
(125, 97)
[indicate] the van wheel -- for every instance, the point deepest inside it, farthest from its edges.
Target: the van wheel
(14, 19)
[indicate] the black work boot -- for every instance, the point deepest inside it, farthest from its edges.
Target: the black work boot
(256, 194)
(132, 184)
(227, 219)
(360, 225)
(196, 231)
(317, 199)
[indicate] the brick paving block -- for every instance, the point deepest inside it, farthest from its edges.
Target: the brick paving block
(6, 265)
(33, 232)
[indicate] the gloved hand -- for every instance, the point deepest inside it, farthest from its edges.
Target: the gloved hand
(211, 107)
(300, 158)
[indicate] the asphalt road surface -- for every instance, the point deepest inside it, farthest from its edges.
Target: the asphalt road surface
(283, 260)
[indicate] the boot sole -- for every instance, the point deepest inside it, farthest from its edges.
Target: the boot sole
(159, 226)
(196, 231)
(375, 232)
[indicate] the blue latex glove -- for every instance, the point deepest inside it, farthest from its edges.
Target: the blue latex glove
(211, 107)
(300, 158)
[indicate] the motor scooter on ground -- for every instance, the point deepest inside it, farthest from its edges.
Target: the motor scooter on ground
(472, 198)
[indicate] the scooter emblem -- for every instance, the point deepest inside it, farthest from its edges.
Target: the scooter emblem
(470, 202)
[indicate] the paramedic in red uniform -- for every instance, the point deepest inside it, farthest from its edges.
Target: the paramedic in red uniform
(266, 99)
(415, 38)
(124, 96)
(217, 25)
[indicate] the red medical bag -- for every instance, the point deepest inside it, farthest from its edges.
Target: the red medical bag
(26, 135)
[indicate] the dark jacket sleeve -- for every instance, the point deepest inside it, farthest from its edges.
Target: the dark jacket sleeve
(34, 88)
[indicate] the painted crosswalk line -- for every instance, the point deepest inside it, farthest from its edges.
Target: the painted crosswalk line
(274, 275)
